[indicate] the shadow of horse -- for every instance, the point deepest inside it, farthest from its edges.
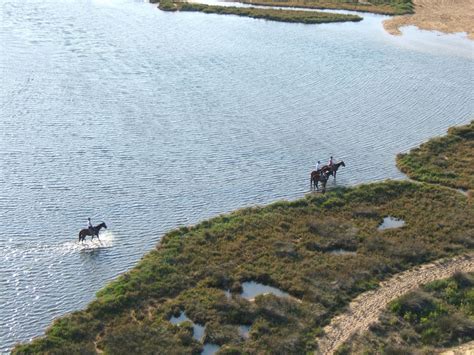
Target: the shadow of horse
(93, 232)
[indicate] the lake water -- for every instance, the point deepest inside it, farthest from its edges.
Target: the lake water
(113, 110)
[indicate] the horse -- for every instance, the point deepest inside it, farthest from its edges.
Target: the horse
(315, 178)
(332, 170)
(94, 232)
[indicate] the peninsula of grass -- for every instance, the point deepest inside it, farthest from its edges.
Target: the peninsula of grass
(382, 7)
(438, 315)
(306, 17)
(447, 160)
(200, 270)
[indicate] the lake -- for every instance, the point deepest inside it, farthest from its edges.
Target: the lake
(114, 110)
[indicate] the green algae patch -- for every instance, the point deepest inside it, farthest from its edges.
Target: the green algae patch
(437, 315)
(383, 7)
(446, 160)
(200, 270)
(306, 17)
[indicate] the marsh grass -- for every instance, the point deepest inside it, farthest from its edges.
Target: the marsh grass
(306, 17)
(284, 245)
(438, 315)
(383, 7)
(447, 160)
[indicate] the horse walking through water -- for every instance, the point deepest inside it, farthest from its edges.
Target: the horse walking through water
(315, 178)
(332, 170)
(93, 233)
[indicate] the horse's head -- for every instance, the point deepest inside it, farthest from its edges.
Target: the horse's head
(342, 163)
(103, 225)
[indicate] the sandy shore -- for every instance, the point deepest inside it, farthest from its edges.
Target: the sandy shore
(447, 16)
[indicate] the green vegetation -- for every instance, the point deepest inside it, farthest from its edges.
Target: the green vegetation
(384, 7)
(439, 315)
(307, 17)
(446, 160)
(286, 245)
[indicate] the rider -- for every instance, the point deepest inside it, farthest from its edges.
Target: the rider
(89, 225)
(331, 162)
(318, 166)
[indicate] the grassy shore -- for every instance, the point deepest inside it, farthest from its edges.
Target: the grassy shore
(438, 315)
(446, 160)
(384, 7)
(307, 17)
(287, 245)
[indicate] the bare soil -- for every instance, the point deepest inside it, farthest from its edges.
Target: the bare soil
(448, 16)
(365, 309)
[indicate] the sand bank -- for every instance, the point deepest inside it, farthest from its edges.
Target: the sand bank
(447, 16)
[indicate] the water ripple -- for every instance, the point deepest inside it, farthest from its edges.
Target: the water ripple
(107, 113)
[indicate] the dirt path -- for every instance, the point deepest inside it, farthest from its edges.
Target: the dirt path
(464, 349)
(367, 307)
(447, 16)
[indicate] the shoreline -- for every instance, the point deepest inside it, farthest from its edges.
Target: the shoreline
(446, 16)
(170, 297)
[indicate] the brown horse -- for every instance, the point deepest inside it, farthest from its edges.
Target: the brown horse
(316, 177)
(93, 232)
(332, 170)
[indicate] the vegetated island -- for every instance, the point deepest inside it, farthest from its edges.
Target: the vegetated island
(306, 17)
(383, 7)
(447, 160)
(438, 315)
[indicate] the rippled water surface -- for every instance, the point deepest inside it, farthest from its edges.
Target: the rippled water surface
(149, 120)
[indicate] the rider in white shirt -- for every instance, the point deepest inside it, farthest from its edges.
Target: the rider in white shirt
(318, 166)
(89, 224)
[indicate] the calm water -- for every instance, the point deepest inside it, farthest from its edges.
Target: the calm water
(150, 120)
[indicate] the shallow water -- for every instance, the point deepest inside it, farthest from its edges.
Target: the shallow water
(342, 252)
(198, 330)
(210, 349)
(390, 223)
(244, 331)
(252, 289)
(147, 120)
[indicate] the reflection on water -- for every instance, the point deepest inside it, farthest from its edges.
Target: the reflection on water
(107, 113)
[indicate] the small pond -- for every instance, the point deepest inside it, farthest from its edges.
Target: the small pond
(391, 222)
(210, 349)
(244, 331)
(252, 289)
(198, 330)
(342, 252)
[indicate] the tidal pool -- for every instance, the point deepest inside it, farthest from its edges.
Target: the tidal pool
(342, 252)
(114, 110)
(390, 223)
(210, 349)
(252, 289)
(198, 330)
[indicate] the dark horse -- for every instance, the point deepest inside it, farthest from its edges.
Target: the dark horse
(316, 177)
(332, 170)
(93, 232)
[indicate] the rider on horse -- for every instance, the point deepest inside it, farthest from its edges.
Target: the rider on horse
(89, 225)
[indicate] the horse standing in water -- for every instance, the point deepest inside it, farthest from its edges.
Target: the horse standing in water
(93, 233)
(316, 177)
(332, 170)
